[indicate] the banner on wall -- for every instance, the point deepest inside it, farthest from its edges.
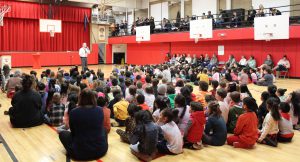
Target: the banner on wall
(142, 33)
(221, 50)
(201, 28)
(271, 27)
(101, 33)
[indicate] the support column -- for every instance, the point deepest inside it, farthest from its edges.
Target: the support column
(228, 4)
(182, 8)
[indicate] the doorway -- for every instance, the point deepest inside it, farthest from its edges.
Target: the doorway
(119, 58)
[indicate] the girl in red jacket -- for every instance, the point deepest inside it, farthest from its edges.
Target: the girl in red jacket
(245, 132)
(194, 130)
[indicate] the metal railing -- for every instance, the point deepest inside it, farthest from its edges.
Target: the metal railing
(182, 24)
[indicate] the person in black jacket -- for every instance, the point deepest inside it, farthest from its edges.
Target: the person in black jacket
(87, 139)
(215, 132)
(26, 110)
(251, 16)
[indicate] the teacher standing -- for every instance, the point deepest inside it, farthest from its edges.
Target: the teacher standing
(84, 51)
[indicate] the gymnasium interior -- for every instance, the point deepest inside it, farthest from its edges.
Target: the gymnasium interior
(149, 80)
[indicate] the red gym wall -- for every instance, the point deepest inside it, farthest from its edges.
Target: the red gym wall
(236, 41)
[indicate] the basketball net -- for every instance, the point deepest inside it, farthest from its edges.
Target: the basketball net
(268, 36)
(197, 37)
(52, 33)
(3, 10)
(139, 39)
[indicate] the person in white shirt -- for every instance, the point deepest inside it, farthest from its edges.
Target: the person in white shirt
(167, 74)
(282, 65)
(84, 51)
(173, 141)
(243, 61)
(188, 59)
(220, 96)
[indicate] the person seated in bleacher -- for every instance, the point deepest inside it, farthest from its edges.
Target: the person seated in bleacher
(220, 18)
(282, 65)
(152, 24)
(251, 16)
(274, 12)
(210, 16)
(235, 21)
(261, 11)
(26, 110)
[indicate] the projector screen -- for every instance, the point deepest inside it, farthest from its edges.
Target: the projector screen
(273, 3)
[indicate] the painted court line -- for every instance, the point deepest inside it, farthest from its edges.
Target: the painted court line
(10, 153)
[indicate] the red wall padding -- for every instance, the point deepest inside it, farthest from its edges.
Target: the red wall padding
(25, 59)
(143, 54)
(154, 53)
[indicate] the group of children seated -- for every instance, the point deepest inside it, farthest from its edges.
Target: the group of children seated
(165, 109)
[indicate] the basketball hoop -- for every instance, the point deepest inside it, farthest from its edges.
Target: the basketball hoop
(139, 39)
(52, 33)
(3, 10)
(268, 36)
(197, 37)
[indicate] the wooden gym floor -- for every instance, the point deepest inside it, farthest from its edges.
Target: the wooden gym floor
(41, 144)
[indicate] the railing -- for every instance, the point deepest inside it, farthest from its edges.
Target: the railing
(182, 24)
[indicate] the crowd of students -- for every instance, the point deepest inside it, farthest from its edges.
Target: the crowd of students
(164, 108)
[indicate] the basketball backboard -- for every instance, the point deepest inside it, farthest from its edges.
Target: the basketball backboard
(201, 29)
(271, 27)
(142, 33)
(48, 25)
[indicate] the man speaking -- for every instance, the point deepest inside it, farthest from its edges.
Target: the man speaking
(83, 53)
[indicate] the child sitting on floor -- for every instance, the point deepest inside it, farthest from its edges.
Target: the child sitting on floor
(55, 114)
(173, 142)
(235, 111)
(285, 125)
(215, 128)
(203, 87)
(145, 136)
(129, 123)
(245, 132)
(262, 109)
(268, 133)
(280, 93)
(183, 112)
(194, 130)
(160, 104)
(120, 110)
(215, 85)
(220, 96)
(140, 99)
(102, 101)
